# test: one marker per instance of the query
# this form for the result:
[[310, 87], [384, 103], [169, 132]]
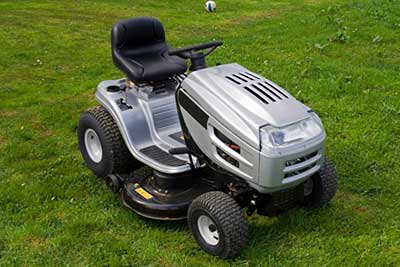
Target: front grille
[[301, 159], [290, 174], [301, 164], [262, 89], [227, 158], [229, 143]]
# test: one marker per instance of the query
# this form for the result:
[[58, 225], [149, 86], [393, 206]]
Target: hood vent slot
[[264, 90], [252, 75], [275, 88], [253, 92], [246, 76], [232, 80], [258, 88], [240, 78]]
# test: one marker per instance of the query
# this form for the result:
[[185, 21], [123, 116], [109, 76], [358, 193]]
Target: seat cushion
[[160, 67]]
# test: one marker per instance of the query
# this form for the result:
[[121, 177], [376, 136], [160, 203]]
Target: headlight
[[291, 134]]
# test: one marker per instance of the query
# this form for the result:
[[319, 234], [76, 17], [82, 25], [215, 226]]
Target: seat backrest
[[139, 50], [137, 33]]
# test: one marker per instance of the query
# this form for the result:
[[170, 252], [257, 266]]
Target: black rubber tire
[[116, 157], [229, 220], [324, 186]]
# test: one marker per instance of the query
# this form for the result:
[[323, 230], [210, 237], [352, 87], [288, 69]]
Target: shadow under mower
[[201, 144]]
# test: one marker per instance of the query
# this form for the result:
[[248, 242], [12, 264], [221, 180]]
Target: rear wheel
[[321, 187], [218, 224], [102, 145]]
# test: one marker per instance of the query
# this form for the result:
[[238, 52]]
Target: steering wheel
[[191, 52]]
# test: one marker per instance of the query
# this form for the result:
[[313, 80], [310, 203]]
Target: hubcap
[[308, 187], [208, 230], [93, 145]]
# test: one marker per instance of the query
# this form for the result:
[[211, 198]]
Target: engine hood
[[243, 101]]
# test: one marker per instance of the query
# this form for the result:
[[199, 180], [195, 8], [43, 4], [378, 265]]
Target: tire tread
[[120, 157], [329, 184]]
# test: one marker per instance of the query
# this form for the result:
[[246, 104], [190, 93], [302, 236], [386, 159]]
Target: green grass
[[342, 58]]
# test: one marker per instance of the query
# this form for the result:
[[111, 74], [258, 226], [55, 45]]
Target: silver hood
[[243, 101]]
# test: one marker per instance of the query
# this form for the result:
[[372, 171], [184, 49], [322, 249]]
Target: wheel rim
[[93, 145], [308, 187], [208, 230]]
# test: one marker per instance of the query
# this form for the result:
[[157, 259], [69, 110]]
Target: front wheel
[[321, 187], [218, 225]]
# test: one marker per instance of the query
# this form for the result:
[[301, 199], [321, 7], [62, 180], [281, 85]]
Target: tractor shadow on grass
[[296, 229], [175, 225], [302, 227]]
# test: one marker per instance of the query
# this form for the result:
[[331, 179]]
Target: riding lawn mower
[[209, 144]]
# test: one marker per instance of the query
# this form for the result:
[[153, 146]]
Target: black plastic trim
[[193, 109], [186, 135]]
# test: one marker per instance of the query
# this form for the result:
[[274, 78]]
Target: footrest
[[157, 154]]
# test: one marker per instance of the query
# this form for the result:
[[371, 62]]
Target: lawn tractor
[[202, 143]]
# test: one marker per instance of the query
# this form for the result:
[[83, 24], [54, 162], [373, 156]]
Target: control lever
[[180, 151]]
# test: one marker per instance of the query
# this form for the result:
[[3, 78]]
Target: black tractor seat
[[140, 51]]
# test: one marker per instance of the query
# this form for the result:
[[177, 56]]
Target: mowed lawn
[[342, 58]]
